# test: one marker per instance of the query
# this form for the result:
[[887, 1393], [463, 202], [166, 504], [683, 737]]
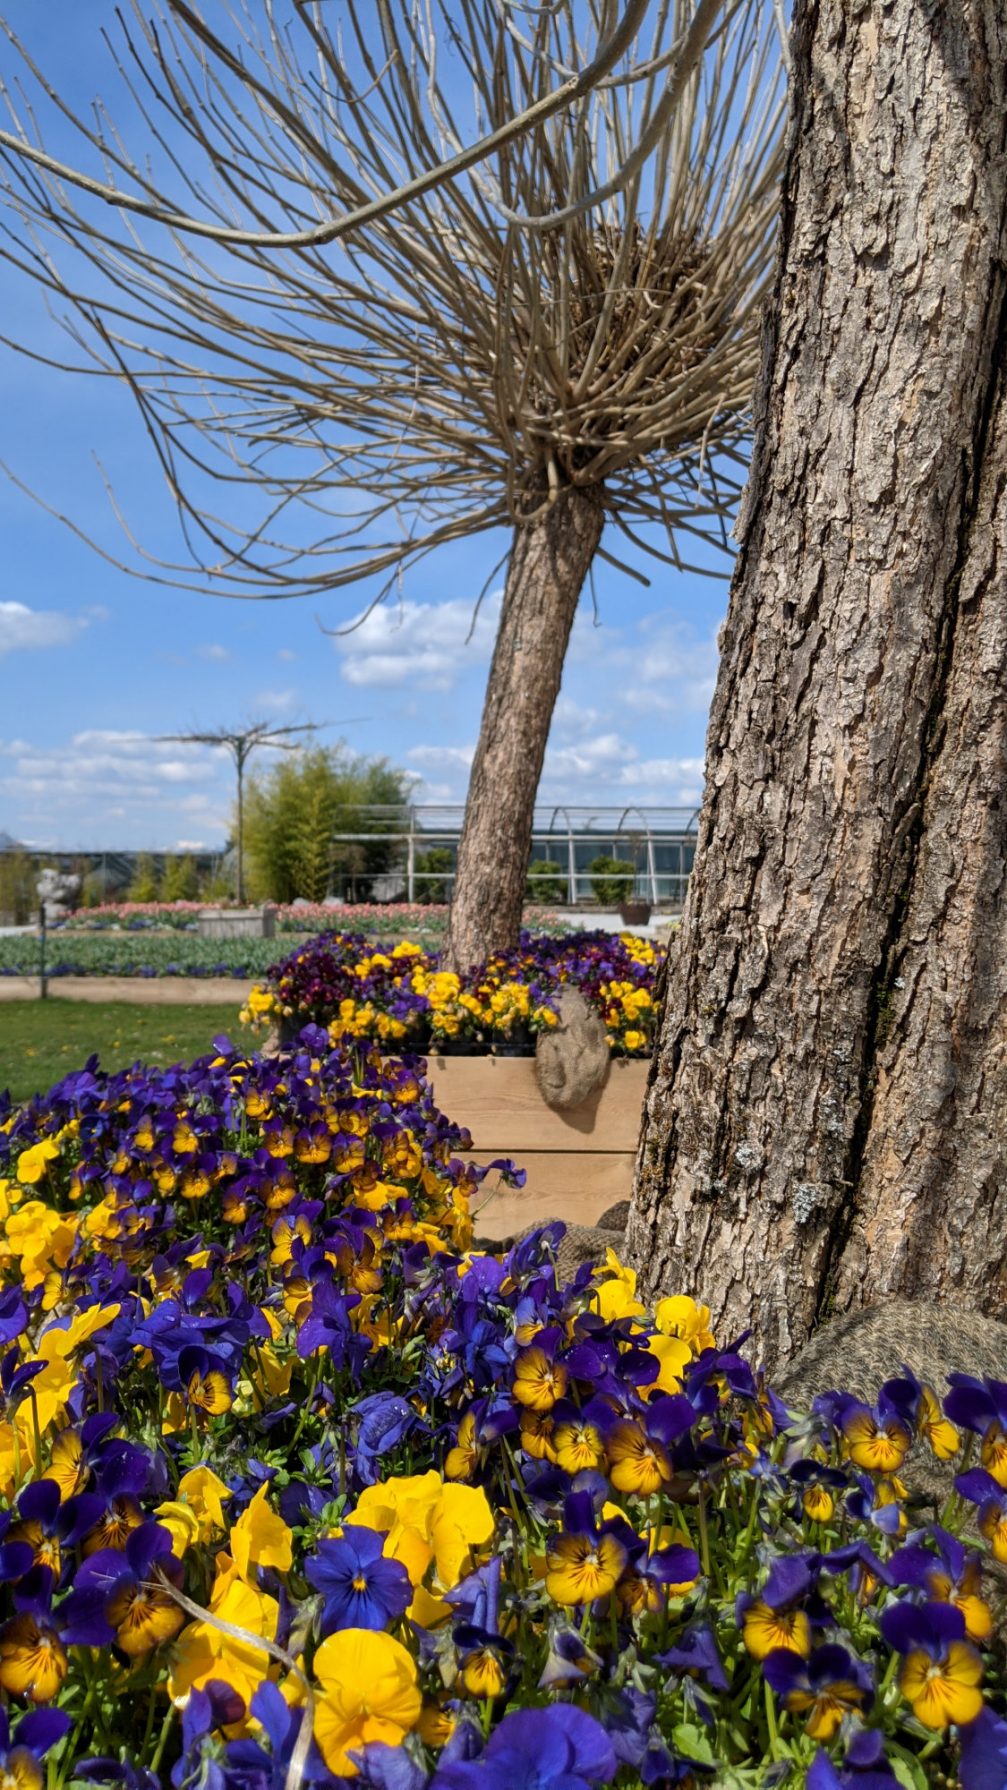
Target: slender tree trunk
[[549, 562], [824, 1116]]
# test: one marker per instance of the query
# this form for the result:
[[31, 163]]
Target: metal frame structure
[[569, 837]]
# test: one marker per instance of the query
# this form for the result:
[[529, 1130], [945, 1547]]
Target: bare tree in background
[[241, 742], [517, 283]]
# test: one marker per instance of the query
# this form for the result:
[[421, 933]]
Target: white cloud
[[598, 767], [286, 655], [280, 700], [189, 845], [100, 775], [572, 720], [22, 627], [442, 757], [592, 639], [600, 756], [427, 645], [217, 655], [672, 670], [667, 770], [616, 774]]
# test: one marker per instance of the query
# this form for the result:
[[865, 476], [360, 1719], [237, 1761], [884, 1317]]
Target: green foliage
[[292, 811], [142, 952], [145, 885], [18, 897], [433, 870], [180, 881], [611, 880], [217, 886], [310, 842], [546, 883]]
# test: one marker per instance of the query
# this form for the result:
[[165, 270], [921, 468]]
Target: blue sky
[[94, 662]]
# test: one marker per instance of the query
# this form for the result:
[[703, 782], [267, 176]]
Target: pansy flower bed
[[300, 916], [403, 997], [295, 1487]]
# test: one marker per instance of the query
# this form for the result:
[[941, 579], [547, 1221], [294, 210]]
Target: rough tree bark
[[826, 1118], [549, 562]]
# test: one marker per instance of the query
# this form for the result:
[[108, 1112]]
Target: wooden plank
[[498, 1099], [576, 1186]]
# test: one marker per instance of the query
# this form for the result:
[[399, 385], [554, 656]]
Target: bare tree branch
[[533, 116], [419, 368]]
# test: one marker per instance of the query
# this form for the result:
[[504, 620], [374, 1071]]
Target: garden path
[[168, 991]]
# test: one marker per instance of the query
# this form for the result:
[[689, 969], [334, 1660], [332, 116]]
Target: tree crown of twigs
[[580, 308]]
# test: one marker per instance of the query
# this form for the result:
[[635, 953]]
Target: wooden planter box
[[578, 1161], [236, 922]]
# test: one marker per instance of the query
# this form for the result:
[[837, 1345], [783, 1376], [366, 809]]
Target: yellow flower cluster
[[404, 996], [628, 1011], [366, 1682]]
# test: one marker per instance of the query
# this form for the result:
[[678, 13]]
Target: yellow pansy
[[181, 1522], [680, 1316], [367, 1692], [42, 1239], [581, 1568], [206, 1495], [203, 1651], [879, 1444], [33, 1162], [33, 1660], [615, 1295], [674, 1355], [460, 1520], [427, 1523], [945, 1690], [764, 1629], [260, 1538]]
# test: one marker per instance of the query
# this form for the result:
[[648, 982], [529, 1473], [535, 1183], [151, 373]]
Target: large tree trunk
[[827, 1112], [549, 562]]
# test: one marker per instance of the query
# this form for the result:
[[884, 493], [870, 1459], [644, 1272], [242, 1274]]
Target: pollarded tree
[[316, 288], [825, 1120]]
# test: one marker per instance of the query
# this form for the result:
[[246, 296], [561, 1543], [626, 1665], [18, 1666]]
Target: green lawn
[[41, 1041]]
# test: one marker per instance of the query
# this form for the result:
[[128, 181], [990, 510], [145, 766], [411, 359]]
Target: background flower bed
[[150, 944], [302, 917], [297, 1487], [425, 922], [402, 996], [147, 954]]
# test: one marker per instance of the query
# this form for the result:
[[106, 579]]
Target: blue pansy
[[361, 1588], [559, 1748]]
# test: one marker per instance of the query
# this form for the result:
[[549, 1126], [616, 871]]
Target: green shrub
[[180, 881], [292, 811], [18, 896], [546, 883], [611, 880], [433, 870], [145, 885]]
